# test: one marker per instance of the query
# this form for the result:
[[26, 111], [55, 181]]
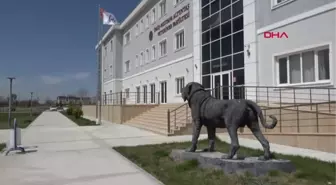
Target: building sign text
[[167, 24]]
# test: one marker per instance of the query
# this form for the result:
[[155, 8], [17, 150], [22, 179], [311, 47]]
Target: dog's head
[[189, 89]]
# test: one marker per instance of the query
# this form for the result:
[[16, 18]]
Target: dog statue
[[230, 114]]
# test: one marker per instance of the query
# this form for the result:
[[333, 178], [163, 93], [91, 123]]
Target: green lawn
[[2, 146], [80, 121], [22, 119], [155, 160]]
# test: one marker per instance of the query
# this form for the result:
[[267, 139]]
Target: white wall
[[250, 42], [306, 33], [177, 68]]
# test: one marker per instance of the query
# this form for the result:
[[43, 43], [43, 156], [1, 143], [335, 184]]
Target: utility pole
[[10, 99], [31, 104]]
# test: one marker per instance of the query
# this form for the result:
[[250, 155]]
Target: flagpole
[[98, 103]]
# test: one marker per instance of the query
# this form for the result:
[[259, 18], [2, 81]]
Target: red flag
[[101, 11]]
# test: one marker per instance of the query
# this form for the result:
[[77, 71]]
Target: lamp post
[[31, 103], [10, 99]]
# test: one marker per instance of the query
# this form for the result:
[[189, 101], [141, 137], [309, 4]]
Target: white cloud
[[81, 75], [52, 80]]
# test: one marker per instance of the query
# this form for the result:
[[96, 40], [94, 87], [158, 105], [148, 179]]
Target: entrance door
[[152, 86], [163, 92], [221, 86]]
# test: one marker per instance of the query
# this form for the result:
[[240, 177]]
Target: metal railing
[[131, 98], [284, 100]]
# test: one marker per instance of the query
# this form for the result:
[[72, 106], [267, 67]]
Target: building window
[[136, 29], [111, 70], [153, 52], [142, 59], [280, 2], [153, 15], [141, 26], [222, 39], [177, 2], [137, 61], [138, 94], [162, 6], [147, 21], [127, 66], [179, 85], [163, 48], [127, 38], [147, 56], [179, 40], [152, 93], [111, 45], [311, 66], [144, 93], [127, 92]]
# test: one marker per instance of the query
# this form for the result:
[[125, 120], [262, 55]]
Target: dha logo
[[271, 35]]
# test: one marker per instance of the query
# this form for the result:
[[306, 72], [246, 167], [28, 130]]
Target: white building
[[162, 45]]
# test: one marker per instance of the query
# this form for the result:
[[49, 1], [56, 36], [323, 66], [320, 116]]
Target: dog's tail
[[257, 110]]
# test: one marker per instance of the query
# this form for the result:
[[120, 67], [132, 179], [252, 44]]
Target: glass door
[[163, 92], [221, 86]]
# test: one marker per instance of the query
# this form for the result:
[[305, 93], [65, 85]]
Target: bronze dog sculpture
[[230, 114]]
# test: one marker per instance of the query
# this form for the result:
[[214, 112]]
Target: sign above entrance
[[177, 18]]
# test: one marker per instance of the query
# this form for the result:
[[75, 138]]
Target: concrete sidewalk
[[72, 155], [69, 155]]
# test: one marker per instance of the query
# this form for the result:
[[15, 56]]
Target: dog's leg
[[261, 138], [195, 135], [232, 130], [211, 137]]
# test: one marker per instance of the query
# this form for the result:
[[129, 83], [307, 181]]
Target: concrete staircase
[[155, 119]]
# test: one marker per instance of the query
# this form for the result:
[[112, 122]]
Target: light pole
[[31, 103], [10, 99]]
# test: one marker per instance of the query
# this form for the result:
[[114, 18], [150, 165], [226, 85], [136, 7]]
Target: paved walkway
[[72, 155]]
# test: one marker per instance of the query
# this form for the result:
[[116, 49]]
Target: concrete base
[[248, 164]]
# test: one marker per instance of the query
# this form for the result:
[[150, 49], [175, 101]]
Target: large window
[[222, 38], [153, 15], [127, 66], [141, 58], [162, 8], [179, 40], [127, 38], [163, 48], [137, 94], [311, 66], [276, 3], [179, 85], [137, 61], [153, 52]]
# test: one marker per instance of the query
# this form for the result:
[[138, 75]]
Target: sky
[[48, 45]]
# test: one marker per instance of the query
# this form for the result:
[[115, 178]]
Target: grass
[[22, 119], [2, 146], [80, 121], [155, 160]]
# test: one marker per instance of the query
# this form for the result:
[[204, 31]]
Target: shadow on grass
[[155, 160], [80, 121]]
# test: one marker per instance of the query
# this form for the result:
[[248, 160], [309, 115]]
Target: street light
[[10, 99]]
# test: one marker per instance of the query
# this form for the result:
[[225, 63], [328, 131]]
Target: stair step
[[157, 121], [144, 127], [150, 125]]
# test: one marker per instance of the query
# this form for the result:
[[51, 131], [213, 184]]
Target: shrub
[[77, 113], [70, 110]]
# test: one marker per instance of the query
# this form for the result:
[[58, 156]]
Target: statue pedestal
[[238, 166]]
